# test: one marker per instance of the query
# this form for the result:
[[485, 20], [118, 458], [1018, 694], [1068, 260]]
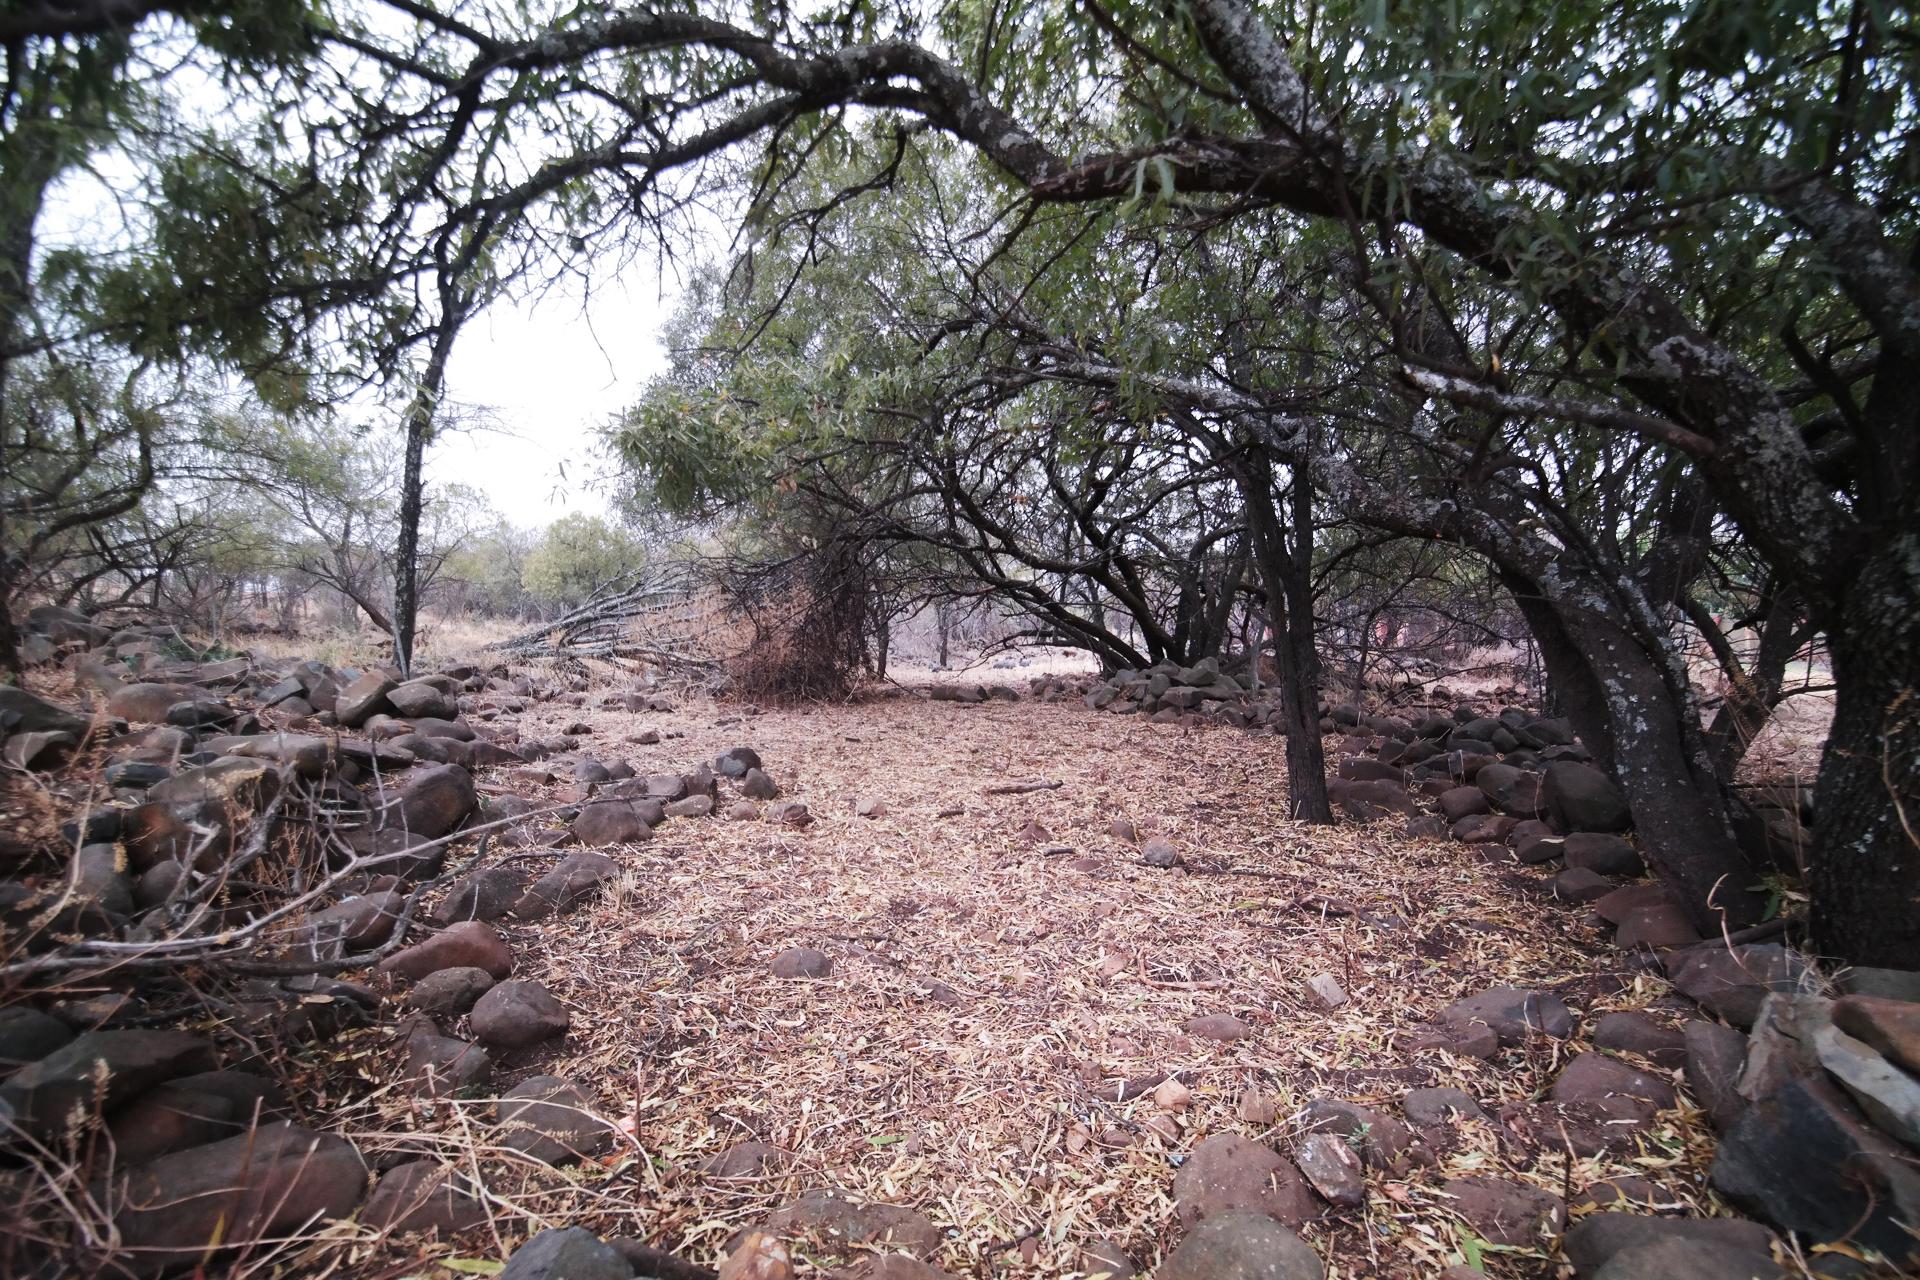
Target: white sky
[[549, 372]]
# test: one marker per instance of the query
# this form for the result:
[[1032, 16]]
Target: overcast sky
[[551, 372]]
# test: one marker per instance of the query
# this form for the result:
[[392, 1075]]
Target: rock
[[1579, 885], [449, 991], [1623, 902], [46, 749], [1659, 926], [1801, 1158], [736, 762], [1609, 1089], [790, 813], [1667, 1259], [436, 800], [1637, 1033], [470, 944], [1889, 1096], [802, 962], [871, 807], [1513, 1014], [1731, 983], [27, 1035], [1227, 1172], [1217, 1026], [1425, 1107], [1714, 1056], [691, 807], [1891, 1027], [1372, 801], [1600, 1237], [1510, 1213], [487, 894], [552, 1121], [1327, 990], [742, 1160], [265, 1184], [417, 698], [1102, 1259], [43, 1094], [363, 699], [1238, 1245], [1512, 791], [1887, 984], [136, 775], [438, 1064], [1581, 798], [610, 822], [170, 1118], [1606, 854], [577, 876], [1332, 1168], [845, 1227], [567, 1253], [758, 1256], [1463, 802], [756, 785], [422, 1195], [145, 703], [513, 1015], [1159, 852], [743, 811]]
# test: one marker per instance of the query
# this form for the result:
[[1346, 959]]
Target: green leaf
[[473, 1266], [885, 1139]]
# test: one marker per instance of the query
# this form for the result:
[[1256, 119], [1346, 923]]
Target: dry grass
[[996, 1115]]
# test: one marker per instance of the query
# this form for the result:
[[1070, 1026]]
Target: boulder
[[566, 1253], [1636, 1033], [438, 1064], [356, 924], [145, 703], [487, 894], [449, 992], [756, 785], [1513, 1014], [1463, 802], [1579, 885], [1731, 983], [1240, 1245], [513, 1015], [1714, 1057], [576, 877], [1600, 1237], [417, 698], [1512, 791], [551, 1120], [1608, 855], [1666, 1259], [1444, 1106], [363, 699], [1504, 1212], [1581, 798], [802, 962], [1227, 1172], [436, 800], [1608, 1089], [111, 1065], [1892, 1027], [736, 761], [1657, 926], [470, 944], [422, 1195], [610, 822], [1384, 1142], [171, 1118], [266, 1184]]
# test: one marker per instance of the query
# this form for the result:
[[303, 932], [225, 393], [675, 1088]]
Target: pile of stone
[[1166, 691]]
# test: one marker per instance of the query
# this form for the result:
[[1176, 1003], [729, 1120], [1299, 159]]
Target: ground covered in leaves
[[1009, 984]]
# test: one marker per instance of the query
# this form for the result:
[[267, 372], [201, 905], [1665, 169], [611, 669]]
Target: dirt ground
[[1001, 964]]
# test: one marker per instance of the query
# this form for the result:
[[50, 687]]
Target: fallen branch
[[1022, 788]]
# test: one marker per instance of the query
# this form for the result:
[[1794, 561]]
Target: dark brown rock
[[513, 1015], [570, 1253], [1612, 1091], [422, 1195], [802, 962], [1714, 1056], [449, 992], [1513, 1014], [611, 822], [1217, 1026], [438, 1064], [1241, 1245], [1599, 1237], [44, 1093], [1731, 983], [470, 944], [1227, 1172], [1609, 855], [265, 1184], [1581, 798], [1636, 1033], [552, 1121], [572, 881], [1892, 1027], [1508, 1213], [845, 1227]]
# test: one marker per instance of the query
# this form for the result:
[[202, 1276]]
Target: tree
[[576, 556]]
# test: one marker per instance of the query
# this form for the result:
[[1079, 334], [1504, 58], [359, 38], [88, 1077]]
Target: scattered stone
[[1102, 1259], [1172, 1094], [1504, 1212], [1666, 1259], [449, 991], [470, 944], [1578, 884], [436, 800], [743, 811], [438, 1064], [691, 807], [265, 1184], [1513, 1014], [423, 698], [551, 1120], [513, 1015], [790, 813], [363, 699], [1581, 798], [1609, 1089], [1227, 1172], [1636, 1033], [422, 1195], [1332, 1168], [1658, 926], [1256, 1107], [567, 1253], [1731, 983], [742, 1160], [607, 822], [1714, 1056], [111, 1066], [756, 785], [802, 962], [1427, 1107], [871, 807], [487, 894], [736, 763], [1241, 1245], [1608, 855], [1327, 990], [1600, 1237], [1159, 852], [576, 877], [845, 1227], [1217, 1026]]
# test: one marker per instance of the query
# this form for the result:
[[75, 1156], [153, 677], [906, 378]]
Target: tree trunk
[[421, 411], [1865, 865]]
